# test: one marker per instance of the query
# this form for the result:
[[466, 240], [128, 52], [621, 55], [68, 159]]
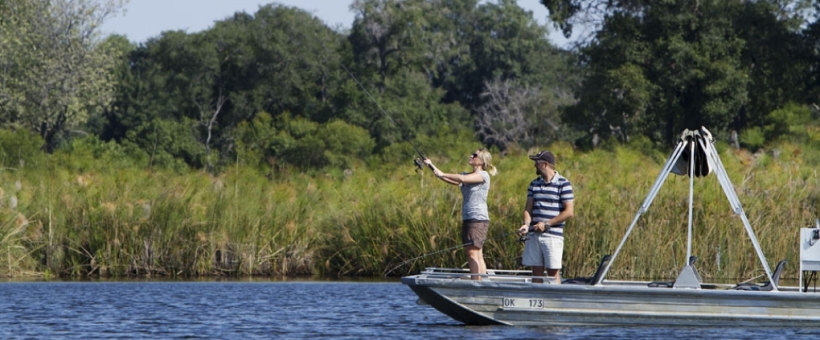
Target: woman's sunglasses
[[474, 155]]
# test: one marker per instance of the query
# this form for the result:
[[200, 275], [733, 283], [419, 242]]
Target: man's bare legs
[[555, 273], [539, 272]]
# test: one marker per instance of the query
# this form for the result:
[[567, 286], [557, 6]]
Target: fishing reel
[[419, 164], [523, 238]]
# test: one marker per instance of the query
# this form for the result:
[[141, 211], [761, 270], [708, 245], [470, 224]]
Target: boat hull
[[490, 302]]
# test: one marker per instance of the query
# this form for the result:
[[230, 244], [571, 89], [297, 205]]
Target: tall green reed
[[136, 222], [76, 215]]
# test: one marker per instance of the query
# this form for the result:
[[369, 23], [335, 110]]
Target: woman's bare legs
[[475, 260]]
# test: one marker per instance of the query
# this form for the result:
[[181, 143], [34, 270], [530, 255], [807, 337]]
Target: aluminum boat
[[510, 297]]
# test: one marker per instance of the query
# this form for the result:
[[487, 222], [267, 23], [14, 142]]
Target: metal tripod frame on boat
[[701, 148]]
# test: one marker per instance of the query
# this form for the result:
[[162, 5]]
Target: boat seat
[[590, 280], [666, 284], [766, 286]]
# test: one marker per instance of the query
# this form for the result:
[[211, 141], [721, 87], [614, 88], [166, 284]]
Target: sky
[[144, 19]]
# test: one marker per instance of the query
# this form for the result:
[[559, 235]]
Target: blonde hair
[[487, 159]]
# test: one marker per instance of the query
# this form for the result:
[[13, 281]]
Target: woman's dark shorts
[[474, 231]]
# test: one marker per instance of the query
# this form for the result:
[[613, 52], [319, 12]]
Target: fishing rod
[[417, 161], [520, 239]]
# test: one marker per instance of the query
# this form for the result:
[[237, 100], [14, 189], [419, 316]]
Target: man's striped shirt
[[548, 200]]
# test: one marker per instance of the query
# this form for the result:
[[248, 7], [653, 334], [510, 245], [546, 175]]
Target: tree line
[[279, 88]]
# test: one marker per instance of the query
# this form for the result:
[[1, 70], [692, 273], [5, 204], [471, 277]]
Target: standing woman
[[474, 186]]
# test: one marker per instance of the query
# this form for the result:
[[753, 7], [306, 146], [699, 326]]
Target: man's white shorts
[[543, 250]]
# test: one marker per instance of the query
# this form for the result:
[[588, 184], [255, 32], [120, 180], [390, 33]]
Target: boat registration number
[[512, 303]]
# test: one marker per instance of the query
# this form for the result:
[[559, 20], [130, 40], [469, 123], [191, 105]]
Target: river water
[[277, 310]]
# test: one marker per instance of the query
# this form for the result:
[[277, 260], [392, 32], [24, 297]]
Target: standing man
[[550, 202]]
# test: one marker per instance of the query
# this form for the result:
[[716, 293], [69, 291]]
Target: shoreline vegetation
[[271, 144], [89, 213]]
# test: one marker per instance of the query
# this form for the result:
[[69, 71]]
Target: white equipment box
[[809, 250]]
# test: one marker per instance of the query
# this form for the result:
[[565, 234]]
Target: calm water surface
[[277, 310]]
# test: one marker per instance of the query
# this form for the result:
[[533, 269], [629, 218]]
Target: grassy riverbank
[[84, 213]]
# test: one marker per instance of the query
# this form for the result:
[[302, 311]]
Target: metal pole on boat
[[734, 201], [645, 205], [692, 146]]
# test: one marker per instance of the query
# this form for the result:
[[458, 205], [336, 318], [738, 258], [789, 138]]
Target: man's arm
[[567, 213], [527, 217]]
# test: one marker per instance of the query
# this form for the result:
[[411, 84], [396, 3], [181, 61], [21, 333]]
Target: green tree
[[54, 67], [281, 59], [458, 47], [397, 47], [265, 142], [504, 42], [811, 55], [515, 80], [390, 34], [122, 114], [656, 68], [775, 56], [289, 62], [168, 143]]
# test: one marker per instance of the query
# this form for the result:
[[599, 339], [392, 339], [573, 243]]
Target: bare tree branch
[[212, 110], [513, 113]]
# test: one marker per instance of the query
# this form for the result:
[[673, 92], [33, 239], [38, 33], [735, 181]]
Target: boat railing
[[507, 275]]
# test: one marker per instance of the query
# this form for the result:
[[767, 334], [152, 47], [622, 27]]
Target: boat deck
[[525, 276]]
